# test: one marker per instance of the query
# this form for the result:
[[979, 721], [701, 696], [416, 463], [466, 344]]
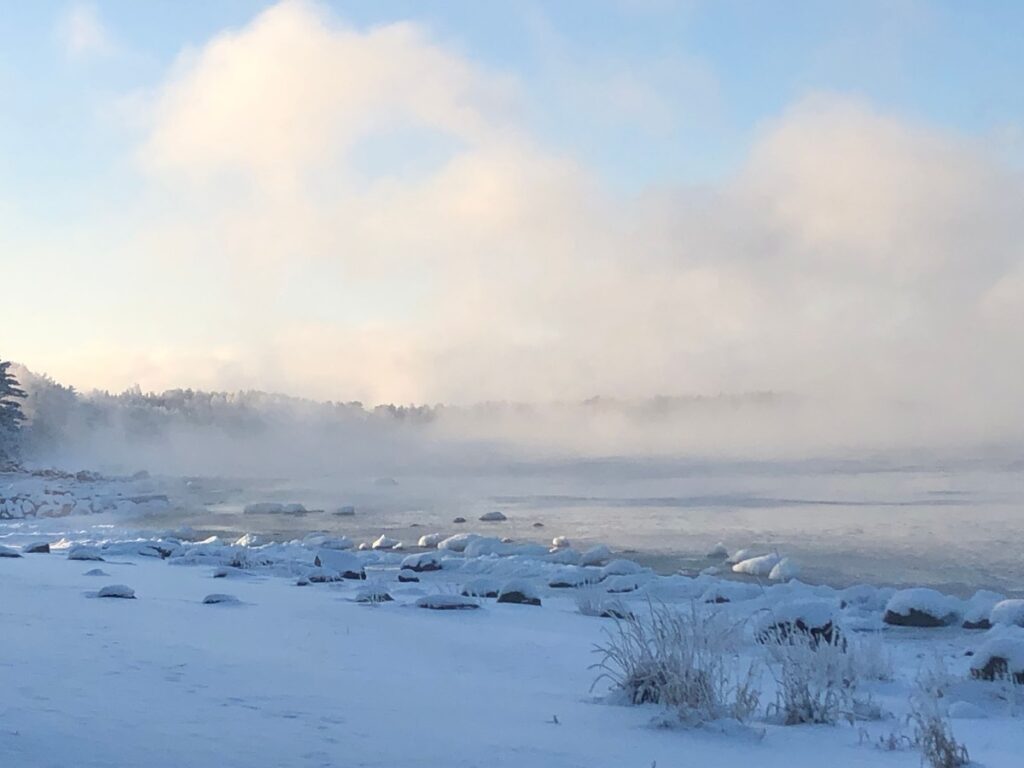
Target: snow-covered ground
[[307, 675]]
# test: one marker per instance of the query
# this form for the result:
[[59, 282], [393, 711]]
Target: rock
[[405, 577], [96, 572], [294, 509], [519, 593], [492, 517], [218, 598], [447, 603], [538, 525], [560, 542], [459, 520], [83, 552], [385, 542], [572, 577], [346, 511], [922, 608], [117, 590], [9, 552]]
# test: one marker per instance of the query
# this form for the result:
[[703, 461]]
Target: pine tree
[[11, 415]]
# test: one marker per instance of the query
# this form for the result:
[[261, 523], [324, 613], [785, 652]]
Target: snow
[[307, 677], [560, 542], [1008, 612], [1004, 644], [385, 542]]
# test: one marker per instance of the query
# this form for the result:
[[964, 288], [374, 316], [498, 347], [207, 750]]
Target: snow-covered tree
[[11, 415]]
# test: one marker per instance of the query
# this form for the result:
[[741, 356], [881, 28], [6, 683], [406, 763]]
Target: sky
[[461, 202]]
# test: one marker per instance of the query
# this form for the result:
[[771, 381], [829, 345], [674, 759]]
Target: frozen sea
[[955, 525]]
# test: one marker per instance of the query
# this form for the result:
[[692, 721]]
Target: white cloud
[[82, 32], [854, 254]]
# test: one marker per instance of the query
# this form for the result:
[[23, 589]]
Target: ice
[[757, 566], [1008, 613]]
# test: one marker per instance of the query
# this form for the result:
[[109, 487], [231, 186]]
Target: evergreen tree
[[11, 415]]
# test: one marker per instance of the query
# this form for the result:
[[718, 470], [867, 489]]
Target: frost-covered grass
[[685, 660]]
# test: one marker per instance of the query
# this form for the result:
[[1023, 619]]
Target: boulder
[[346, 511], [263, 508], [757, 566], [422, 563], [386, 542], [459, 520], [492, 517], [430, 540], [406, 577], [9, 552], [1008, 613]]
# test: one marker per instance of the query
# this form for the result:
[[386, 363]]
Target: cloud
[[393, 231], [83, 33]]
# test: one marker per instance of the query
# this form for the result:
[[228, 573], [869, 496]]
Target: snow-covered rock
[[458, 542], [599, 555], [374, 593], [1002, 656], [921, 607], [567, 556], [739, 556], [492, 517], [560, 542], [630, 582], [621, 568], [757, 566], [117, 590], [730, 592], [1008, 613], [784, 570], [447, 603], [345, 511], [345, 564], [9, 552], [718, 552], [814, 619], [482, 587], [84, 552], [385, 542], [424, 561], [520, 592], [95, 572], [978, 609], [337, 542], [430, 540], [219, 598]]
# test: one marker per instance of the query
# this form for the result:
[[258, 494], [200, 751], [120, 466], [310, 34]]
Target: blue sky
[[616, 110]]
